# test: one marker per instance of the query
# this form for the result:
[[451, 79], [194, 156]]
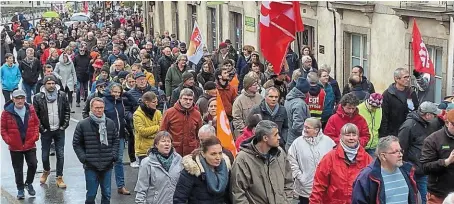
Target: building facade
[[376, 35]]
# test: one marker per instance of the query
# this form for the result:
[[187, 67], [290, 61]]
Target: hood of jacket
[[415, 116], [340, 111], [295, 93], [60, 59], [9, 107], [191, 163], [249, 95], [42, 89]]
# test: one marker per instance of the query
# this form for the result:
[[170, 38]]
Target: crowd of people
[[297, 135]]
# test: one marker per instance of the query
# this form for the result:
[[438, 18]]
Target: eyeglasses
[[396, 152]]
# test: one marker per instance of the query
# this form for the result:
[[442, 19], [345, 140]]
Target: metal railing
[[446, 5]]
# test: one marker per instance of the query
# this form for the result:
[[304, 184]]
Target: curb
[[10, 198]]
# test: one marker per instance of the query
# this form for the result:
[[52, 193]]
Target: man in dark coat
[[398, 100], [53, 111], [30, 69], [81, 65], [164, 64], [96, 144]]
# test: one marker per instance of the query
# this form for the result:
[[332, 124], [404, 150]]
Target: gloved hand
[[416, 74]]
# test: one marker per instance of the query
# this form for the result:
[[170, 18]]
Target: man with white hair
[[207, 131], [387, 180], [91, 41], [306, 62]]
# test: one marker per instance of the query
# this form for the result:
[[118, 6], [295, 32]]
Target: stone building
[[373, 34]]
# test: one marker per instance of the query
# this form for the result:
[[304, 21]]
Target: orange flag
[[224, 132]]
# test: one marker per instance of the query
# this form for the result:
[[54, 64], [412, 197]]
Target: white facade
[[376, 35]]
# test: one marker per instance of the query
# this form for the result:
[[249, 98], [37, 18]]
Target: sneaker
[[20, 195], [77, 104], [29, 188], [135, 164], [43, 178]]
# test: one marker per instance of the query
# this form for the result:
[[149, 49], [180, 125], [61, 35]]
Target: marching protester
[[210, 115], [339, 168], [98, 160], [304, 155], [387, 180], [188, 82], [261, 172], [371, 111], [209, 91], [364, 83], [297, 110], [10, 76], [175, 73], [52, 107], [248, 131], [19, 128], [65, 71], [159, 172], [31, 69], [225, 90], [330, 95]]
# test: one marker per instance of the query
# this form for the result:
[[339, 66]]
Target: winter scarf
[[149, 112], [218, 179], [51, 96], [313, 140], [166, 161], [351, 152], [102, 127], [272, 112]]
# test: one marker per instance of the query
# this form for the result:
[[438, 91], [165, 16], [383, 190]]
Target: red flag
[[86, 7], [421, 58], [279, 22]]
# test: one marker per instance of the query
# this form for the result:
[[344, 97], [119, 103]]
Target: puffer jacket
[[280, 118], [40, 104], [89, 150], [241, 108], [228, 95], [173, 79], [30, 71], [297, 113], [411, 139], [373, 120], [395, 110], [145, 130], [259, 179], [10, 77], [183, 124], [17, 135], [192, 186], [334, 177], [304, 158], [338, 120], [369, 187], [66, 73], [154, 183]]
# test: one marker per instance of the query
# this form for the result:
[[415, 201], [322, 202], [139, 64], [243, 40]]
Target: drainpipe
[[334, 37], [449, 78]]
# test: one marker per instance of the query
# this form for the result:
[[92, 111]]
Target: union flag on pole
[[279, 22], [195, 50], [421, 58], [224, 132]]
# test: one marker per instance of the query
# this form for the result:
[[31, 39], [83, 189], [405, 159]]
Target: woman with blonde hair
[[53, 57]]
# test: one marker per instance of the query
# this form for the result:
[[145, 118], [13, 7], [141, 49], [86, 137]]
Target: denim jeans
[[93, 179], [17, 159], [28, 88], [118, 167], [421, 183], [81, 89], [58, 136]]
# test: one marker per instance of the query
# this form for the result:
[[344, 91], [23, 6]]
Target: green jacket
[[173, 78], [373, 123]]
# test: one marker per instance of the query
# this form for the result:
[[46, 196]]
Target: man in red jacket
[[20, 131], [347, 112]]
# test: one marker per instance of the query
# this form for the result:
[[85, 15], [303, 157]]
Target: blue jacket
[[368, 187], [10, 77], [330, 98], [114, 109], [111, 59]]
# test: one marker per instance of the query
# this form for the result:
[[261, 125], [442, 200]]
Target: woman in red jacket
[[336, 172]]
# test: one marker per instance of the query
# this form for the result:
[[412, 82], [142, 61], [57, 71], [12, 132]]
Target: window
[[436, 55], [306, 38], [212, 29], [359, 51], [175, 23], [236, 33]]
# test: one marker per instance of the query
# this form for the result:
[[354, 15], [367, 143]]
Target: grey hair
[[181, 57], [95, 99], [186, 92], [315, 122], [312, 77], [449, 199], [398, 72], [326, 67], [305, 58], [349, 98], [264, 128], [208, 129], [267, 91], [349, 128], [296, 74], [384, 143]]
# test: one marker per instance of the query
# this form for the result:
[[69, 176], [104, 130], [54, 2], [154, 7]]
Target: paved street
[[73, 175]]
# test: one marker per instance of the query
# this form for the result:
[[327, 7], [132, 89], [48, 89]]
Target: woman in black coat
[[198, 183], [206, 74]]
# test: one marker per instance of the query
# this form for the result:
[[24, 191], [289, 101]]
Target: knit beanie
[[375, 100], [248, 81], [49, 78], [303, 85], [187, 75]]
